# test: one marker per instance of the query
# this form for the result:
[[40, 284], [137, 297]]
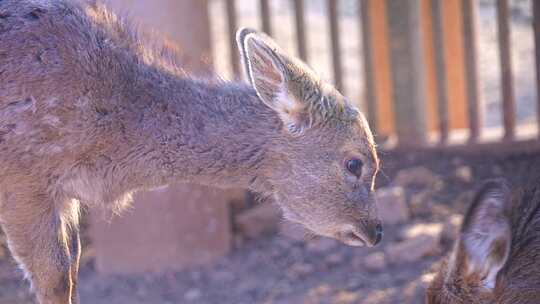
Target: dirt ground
[[279, 269]]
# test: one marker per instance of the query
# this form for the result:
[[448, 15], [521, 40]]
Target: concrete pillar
[[184, 22], [167, 229], [181, 225]]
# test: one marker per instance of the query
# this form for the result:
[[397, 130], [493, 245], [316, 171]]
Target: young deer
[[497, 256], [88, 115]]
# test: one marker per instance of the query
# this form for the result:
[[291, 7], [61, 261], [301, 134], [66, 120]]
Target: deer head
[[325, 161]]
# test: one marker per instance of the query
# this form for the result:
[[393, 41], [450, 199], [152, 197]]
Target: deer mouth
[[358, 237], [352, 238]]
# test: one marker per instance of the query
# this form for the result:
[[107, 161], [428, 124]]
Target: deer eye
[[354, 166]]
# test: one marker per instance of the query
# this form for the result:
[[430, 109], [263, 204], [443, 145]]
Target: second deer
[[496, 259]]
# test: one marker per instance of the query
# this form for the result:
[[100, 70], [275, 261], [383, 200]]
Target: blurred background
[[450, 89]]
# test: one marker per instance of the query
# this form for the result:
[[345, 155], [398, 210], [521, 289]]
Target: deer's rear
[[497, 256]]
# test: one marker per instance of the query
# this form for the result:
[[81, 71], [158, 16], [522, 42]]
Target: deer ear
[[486, 233], [268, 71], [241, 35]]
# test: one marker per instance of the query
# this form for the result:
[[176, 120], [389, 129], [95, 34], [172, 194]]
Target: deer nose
[[374, 233]]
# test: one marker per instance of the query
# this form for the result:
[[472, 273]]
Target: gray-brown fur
[[88, 115], [500, 237]]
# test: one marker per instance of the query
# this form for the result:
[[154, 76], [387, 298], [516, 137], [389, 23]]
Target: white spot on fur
[[51, 102], [52, 120], [49, 149]]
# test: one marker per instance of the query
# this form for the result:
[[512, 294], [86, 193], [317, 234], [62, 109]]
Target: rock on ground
[[421, 203], [321, 244], [258, 220], [415, 230], [375, 261], [451, 226], [464, 174], [392, 205], [418, 177], [292, 231]]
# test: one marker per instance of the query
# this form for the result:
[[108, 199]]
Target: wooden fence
[[410, 50]]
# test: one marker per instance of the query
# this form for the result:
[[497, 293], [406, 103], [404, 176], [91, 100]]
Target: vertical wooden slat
[[231, 24], [265, 17], [382, 74], [300, 29], [506, 69], [334, 38], [440, 68], [370, 97], [426, 24], [408, 71], [455, 64], [471, 68], [536, 25]]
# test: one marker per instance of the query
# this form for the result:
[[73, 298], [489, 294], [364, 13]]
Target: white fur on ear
[[486, 238], [241, 35], [288, 86], [268, 76], [289, 111], [487, 253]]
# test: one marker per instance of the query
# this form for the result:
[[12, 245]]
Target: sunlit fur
[[89, 114]]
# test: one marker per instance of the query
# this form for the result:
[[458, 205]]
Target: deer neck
[[216, 133]]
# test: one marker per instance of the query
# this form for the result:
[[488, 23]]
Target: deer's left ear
[[269, 71], [486, 233]]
